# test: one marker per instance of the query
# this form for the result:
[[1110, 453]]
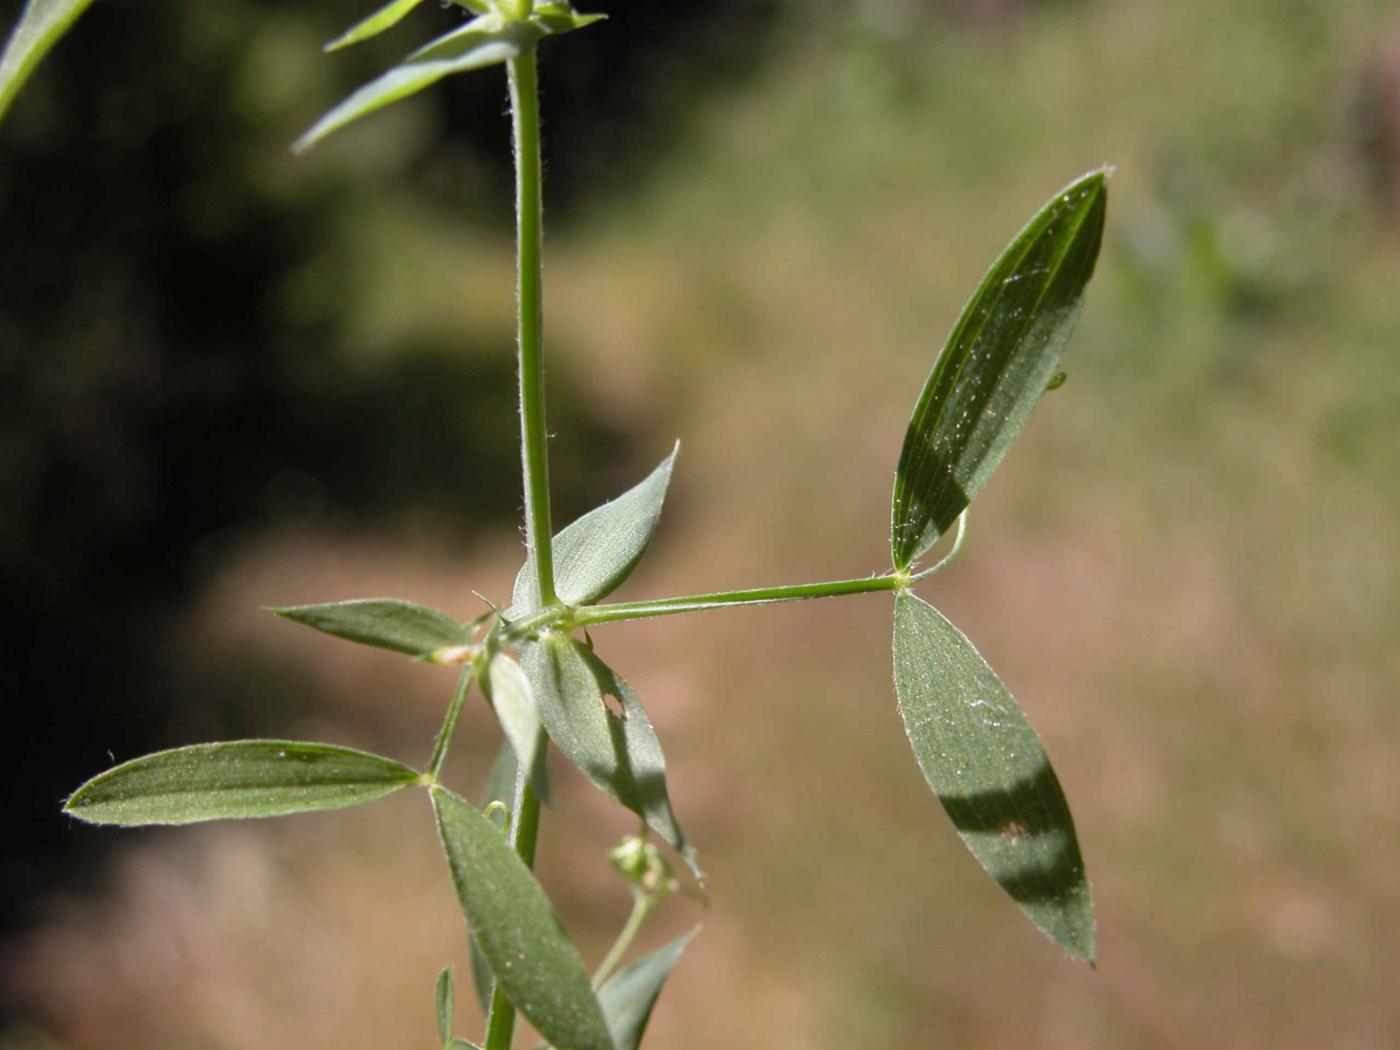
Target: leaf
[[459, 1043], [500, 787], [594, 555], [41, 25], [508, 691], [239, 779], [561, 18], [484, 41], [986, 765], [386, 623], [1002, 354], [516, 927], [388, 16], [444, 993], [629, 995], [620, 755]]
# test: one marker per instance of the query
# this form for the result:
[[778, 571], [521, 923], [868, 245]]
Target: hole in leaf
[[1014, 831], [614, 706]]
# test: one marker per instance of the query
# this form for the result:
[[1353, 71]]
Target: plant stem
[[449, 723], [587, 615], [534, 439], [642, 905]]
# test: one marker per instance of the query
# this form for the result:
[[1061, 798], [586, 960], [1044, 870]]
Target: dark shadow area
[[1033, 822]]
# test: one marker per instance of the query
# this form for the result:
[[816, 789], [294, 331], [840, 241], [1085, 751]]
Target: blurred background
[[232, 378]]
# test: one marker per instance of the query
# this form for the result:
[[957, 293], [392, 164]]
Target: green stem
[[534, 440], [449, 723], [587, 615], [642, 905]]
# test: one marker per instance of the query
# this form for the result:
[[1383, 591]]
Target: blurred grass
[[1186, 573]]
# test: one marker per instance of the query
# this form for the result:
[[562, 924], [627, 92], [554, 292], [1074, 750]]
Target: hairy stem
[[587, 615], [534, 440]]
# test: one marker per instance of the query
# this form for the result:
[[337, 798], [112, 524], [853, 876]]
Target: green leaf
[[444, 994], [594, 555], [484, 41], [621, 755], [1002, 354], [41, 25], [985, 763], [500, 787], [388, 16], [629, 995], [508, 691], [561, 18], [515, 925], [459, 1043], [239, 779], [387, 623]]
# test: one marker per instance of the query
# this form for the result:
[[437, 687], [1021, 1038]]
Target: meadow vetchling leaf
[[988, 769], [388, 16], [596, 553], [630, 994], [41, 24], [1001, 355], [484, 41], [386, 623], [620, 754], [235, 780], [508, 691], [518, 932]]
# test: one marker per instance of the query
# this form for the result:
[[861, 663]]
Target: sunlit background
[[232, 379]]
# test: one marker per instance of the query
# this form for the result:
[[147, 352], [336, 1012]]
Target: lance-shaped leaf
[[388, 16], [1002, 353], [595, 554], [987, 767], [561, 18], [500, 787], [619, 753], [484, 41], [630, 994], [40, 26], [443, 1002], [509, 693], [238, 779], [517, 930], [386, 623]]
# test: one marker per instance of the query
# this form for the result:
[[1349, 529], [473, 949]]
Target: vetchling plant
[[536, 666]]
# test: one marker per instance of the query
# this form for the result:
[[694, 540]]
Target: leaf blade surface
[[991, 774], [517, 930], [994, 368], [384, 623], [594, 555], [241, 779], [629, 995]]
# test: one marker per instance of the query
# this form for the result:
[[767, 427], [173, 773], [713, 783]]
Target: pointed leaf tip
[[517, 930], [236, 780], [385, 623], [629, 996], [1002, 353], [988, 768], [41, 25], [595, 555]]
